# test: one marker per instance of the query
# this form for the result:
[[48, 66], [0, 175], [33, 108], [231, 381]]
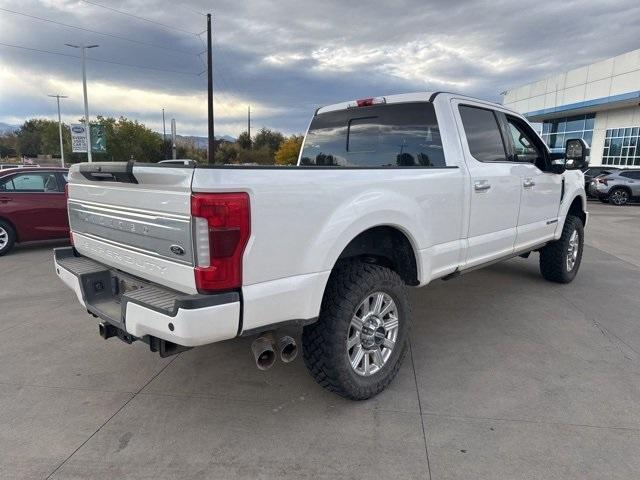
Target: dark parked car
[[33, 205], [593, 172]]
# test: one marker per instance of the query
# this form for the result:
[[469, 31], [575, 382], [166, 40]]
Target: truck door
[[541, 190], [495, 184]]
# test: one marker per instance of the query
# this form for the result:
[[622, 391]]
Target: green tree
[[35, 137], [289, 150], [8, 145], [129, 139], [269, 139], [227, 153], [244, 140]]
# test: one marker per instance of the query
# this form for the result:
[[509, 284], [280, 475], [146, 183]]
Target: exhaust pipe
[[288, 349], [264, 351]]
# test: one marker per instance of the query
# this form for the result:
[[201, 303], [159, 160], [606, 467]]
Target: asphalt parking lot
[[509, 377]]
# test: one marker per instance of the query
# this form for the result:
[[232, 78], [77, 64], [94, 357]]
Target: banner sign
[[98, 139], [78, 138]]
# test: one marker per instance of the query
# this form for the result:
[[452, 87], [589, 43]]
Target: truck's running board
[[520, 253]]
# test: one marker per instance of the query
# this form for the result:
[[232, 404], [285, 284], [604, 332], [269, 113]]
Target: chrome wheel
[[4, 238], [572, 250], [619, 197], [372, 334]]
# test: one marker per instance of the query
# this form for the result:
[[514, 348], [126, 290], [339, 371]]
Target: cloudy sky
[[286, 57]]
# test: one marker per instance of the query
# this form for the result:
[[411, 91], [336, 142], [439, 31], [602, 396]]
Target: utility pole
[[249, 124], [211, 150], [58, 97], [173, 138], [87, 127], [164, 136]]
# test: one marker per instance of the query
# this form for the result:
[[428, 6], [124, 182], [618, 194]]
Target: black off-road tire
[[10, 237], [324, 342], [553, 257]]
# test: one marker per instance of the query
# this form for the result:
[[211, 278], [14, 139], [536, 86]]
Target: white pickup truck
[[388, 192]]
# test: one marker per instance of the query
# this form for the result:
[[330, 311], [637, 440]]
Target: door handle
[[5, 199], [481, 186], [528, 183]]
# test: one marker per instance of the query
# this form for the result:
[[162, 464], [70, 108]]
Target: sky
[[285, 58]]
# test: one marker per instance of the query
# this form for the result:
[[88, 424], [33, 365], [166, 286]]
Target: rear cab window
[[387, 135]]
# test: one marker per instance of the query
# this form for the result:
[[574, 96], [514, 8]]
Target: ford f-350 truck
[[389, 193]]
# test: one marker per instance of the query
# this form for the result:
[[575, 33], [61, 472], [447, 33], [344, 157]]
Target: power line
[[121, 12], [42, 19], [99, 60]]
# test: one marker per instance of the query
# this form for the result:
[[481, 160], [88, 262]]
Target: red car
[[33, 205]]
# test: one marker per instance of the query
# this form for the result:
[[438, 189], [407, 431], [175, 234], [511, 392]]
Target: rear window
[[395, 135]]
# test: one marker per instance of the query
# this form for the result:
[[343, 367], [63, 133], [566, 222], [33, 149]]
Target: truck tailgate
[[135, 218]]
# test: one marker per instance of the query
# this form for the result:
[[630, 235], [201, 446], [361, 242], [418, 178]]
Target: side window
[[483, 134], [524, 145], [31, 182], [633, 175]]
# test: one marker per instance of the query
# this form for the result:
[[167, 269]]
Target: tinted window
[[483, 134], [635, 175], [376, 136], [31, 182]]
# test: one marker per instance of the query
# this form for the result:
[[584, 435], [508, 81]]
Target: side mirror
[[576, 153]]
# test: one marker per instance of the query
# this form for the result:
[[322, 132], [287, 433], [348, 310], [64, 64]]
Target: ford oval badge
[[177, 249]]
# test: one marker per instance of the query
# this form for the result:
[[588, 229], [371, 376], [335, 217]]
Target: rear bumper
[[145, 310]]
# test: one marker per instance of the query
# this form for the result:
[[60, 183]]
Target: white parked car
[[389, 193]]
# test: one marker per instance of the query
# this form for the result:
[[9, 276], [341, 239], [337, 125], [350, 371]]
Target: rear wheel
[[619, 196], [360, 339], [560, 260], [7, 237]]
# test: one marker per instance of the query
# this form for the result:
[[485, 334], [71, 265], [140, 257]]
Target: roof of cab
[[409, 97], [6, 171]]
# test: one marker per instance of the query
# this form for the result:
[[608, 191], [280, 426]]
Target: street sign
[[98, 139], [78, 138]]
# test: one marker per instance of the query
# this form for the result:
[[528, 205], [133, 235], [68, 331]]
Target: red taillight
[[367, 102], [222, 229], [66, 197]]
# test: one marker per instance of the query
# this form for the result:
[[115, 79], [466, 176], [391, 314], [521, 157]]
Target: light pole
[[58, 97], [87, 127], [164, 136]]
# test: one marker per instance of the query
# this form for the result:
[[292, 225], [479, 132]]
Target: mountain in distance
[[8, 128]]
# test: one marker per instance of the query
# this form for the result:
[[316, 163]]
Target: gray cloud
[[288, 57]]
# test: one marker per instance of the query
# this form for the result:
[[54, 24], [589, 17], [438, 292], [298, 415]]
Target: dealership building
[[598, 102]]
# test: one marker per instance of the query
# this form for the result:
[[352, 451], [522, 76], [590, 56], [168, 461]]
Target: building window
[[622, 147], [556, 132]]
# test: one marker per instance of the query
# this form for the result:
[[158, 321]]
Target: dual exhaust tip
[[265, 350]]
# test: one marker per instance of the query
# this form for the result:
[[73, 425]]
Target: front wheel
[[560, 260], [360, 339]]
